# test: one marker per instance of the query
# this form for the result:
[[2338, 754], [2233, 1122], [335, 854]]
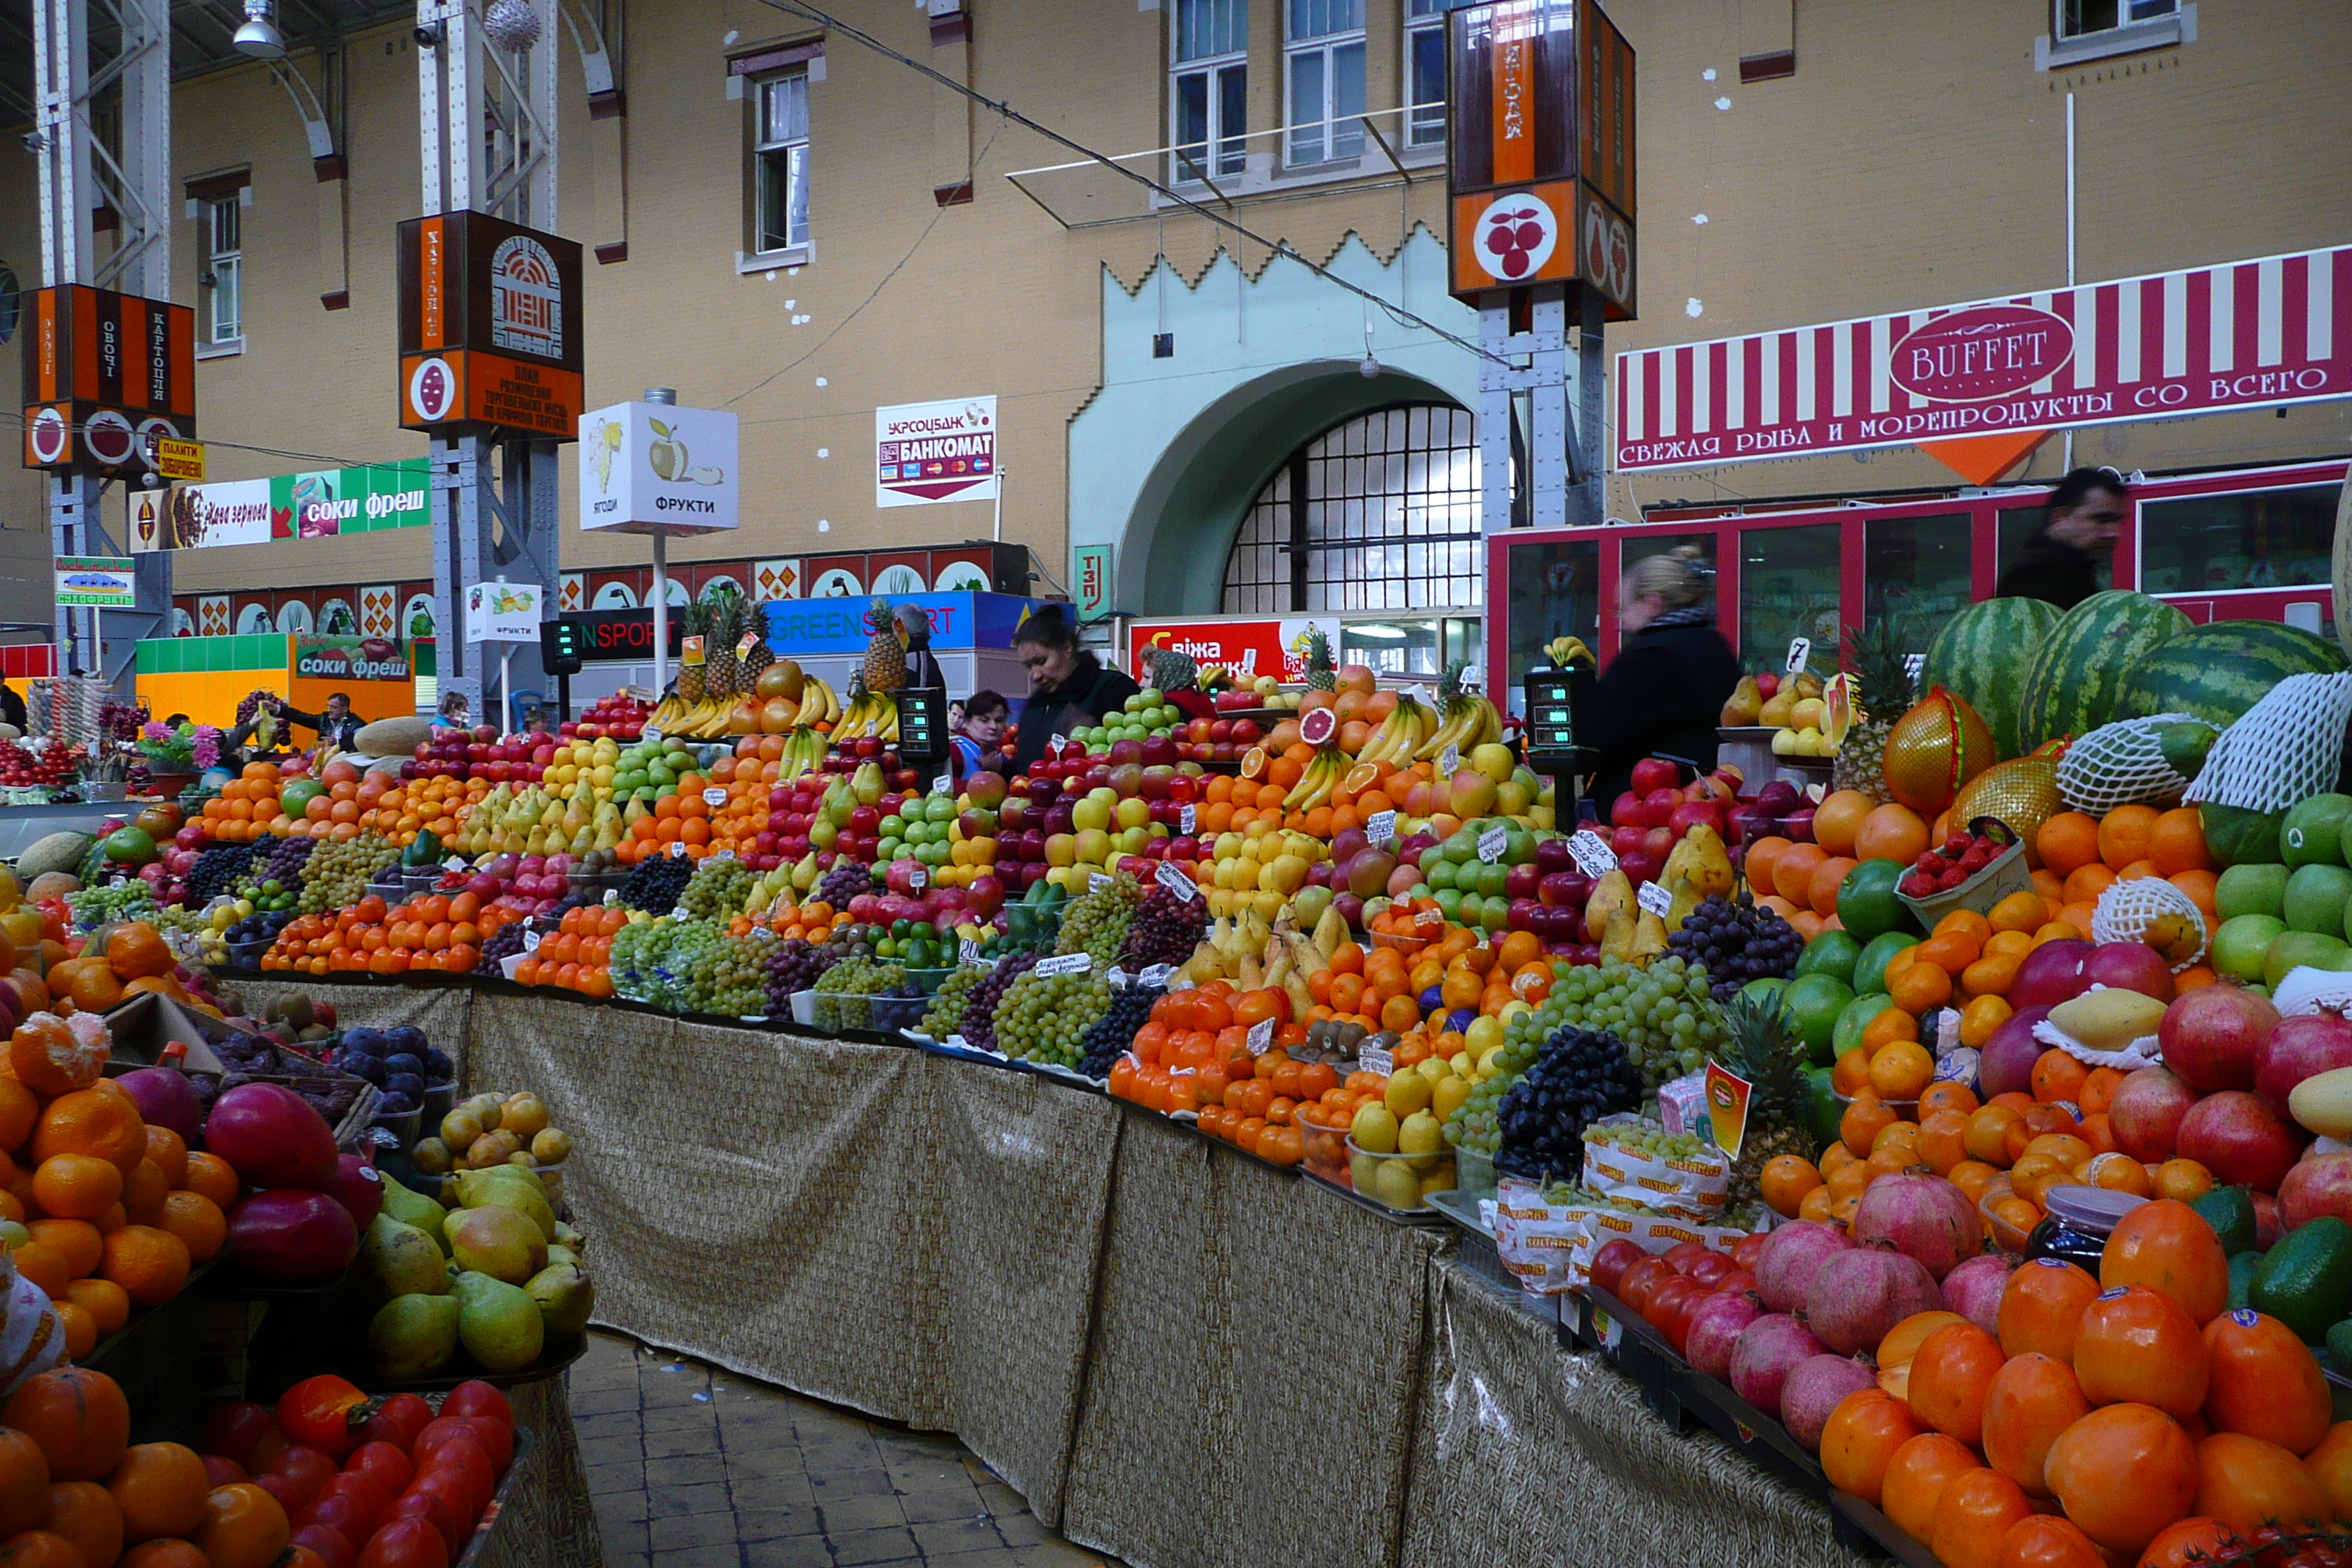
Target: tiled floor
[[692, 1468]]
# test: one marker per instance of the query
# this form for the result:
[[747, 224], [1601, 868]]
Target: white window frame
[[1222, 149], [1326, 130], [2129, 13], [785, 154], [2060, 50], [1424, 120], [224, 269]]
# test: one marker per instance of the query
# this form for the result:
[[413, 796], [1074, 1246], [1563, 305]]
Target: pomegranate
[[1785, 1264], [2296, 1050], [2147, 1110], [2210, 1035], [1813, 1391], [2268, 1222], [2129, 966], [1973, 1290], [1716, 1327], [2319, 1185], [1766, 1352], [291, 1236], [272, 1137], [165, 1098], [2239, 1137], [2007, 1065], [2051, 973], [1924, 1217], [1859, 1294]]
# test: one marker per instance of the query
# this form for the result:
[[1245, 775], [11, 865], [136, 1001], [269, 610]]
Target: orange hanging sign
[[1515, 93]]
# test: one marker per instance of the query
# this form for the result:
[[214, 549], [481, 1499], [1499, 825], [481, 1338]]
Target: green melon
[[2241, 837], [57, 852], [2076, 681], [1982, 656], [2218, 671]]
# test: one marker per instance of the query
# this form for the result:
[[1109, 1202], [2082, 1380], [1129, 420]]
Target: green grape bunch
[[1646, 1138], [717, 889], [1096, 923], [845, 992], [1044, 1017], [945, 1011], [338, 873]]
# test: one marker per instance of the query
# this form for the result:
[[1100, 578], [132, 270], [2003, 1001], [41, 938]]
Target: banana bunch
[[1316, 785], [1470, 720], [804, 753], [819, 703], [677, 716], [1567, 653], [871, 713], [1399, 736]]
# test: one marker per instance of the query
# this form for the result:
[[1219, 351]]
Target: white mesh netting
[[2305, 991], [2284, 749], [2142, 1052], [2127, 912], [2121, 764]]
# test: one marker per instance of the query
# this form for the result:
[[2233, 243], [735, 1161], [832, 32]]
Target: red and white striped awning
[[2244, 334]]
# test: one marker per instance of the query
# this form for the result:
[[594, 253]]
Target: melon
[[2076, 681], [1982, 656], [395, 737], [2216, 672], [56, 852]]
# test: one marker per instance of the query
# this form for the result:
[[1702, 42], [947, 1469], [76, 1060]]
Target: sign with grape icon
[[1516, 236]]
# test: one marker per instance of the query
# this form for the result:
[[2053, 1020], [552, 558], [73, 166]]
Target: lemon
[[1436, 1070], [1408, 1092], [1441, 1180], [1463, 1064], [1421, 1133], [1450, 1097], [1397, 1185], [1483, 1036], [1374, 1129]]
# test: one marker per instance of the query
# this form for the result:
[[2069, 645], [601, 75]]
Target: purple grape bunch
[[844, 882], [1165, 930], [979, 1025], [796, 966], [505, 942]]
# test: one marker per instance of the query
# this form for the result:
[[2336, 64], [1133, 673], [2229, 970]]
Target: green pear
[[559, 1253], [568, 1235], [501, 1325], [507, 1186], [401, 1260], [415, 1209], [565, 1298], [500, 1242], [414, 1335]]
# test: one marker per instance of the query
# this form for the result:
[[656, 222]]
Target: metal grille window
[[1324, 63], [224, 275], [2079, 18], [1380, 513], [1424, 73], [781, 220], [1209, 96]]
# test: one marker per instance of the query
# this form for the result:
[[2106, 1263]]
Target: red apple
[[1659, 805], [1691, 813], [1626, 812], [2297, 1048], [1654, 774], [2238, 1137], [2147, 1112]]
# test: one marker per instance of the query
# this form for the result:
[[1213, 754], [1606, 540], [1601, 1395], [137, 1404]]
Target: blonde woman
[[1663, 693]]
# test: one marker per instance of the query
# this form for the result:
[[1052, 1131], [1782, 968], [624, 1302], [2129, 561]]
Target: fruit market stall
[[200, 676]]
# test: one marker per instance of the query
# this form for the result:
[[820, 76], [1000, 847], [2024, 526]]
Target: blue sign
[[800, 627]]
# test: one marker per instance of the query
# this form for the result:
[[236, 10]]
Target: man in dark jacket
[[1663, 694], [2060, 561]]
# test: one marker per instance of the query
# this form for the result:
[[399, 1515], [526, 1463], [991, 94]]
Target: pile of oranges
[[1230, 804], [401, 810], [2157, 1424], [578, 955], [114, 1212], [256, 802], [812, 921], [432, 931], [1383, 986]]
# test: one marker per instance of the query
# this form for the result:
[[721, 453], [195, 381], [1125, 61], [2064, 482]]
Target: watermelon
[[2241, 837], [1980, 656], [2076, 681], [2218, 671]]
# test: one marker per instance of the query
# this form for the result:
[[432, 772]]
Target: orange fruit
[[1865, 1432], [1785, 1181], [2125, 834], [2136, 1344], [2264, 1382], [1915, 1478], [1947, 1096], [2331, 1465], [211, 1175], [2046, 1540], [244, 1527], [1920, 988], [2167, 1245], [2177, 843], [1891, 832], [2042, 1307], [197, 1221], [149, 1264], [1973, 1516], [170, 1152], [2245, 1482], [1792, 873], [103, 1300], [1988, 1136], [2067, 842], [76, 1186], [1900, 1069], [1950, 1374], [2032, 1399], [40, 1549], [1860, 1126], [74, 1240], [2123, 1473], [160, 1488], [87, 1515], [77, 1416]]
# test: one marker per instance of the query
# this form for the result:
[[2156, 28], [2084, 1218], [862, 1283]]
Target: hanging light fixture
[[259, 38]]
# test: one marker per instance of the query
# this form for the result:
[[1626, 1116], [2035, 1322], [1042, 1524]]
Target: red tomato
[[1643, 1278], [306, 1472], [460, 1470], [1668, 1299], [405, 1543], [232, 1430], [477, 1398], [318, 1411], [332, 1549], [1609, 1264], [496, 1438], [348, 1517], [397, 1421], [383, 1463], [434, 1510]]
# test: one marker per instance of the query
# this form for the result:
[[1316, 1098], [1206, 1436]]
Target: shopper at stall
[[338, 727], [2059, 561], [1070, 688], [455, 713], [1662, 695], [980, 735]]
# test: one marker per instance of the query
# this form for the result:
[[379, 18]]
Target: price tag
[[918, 879], [1097, 883], [612, 896], [1381, 828], [1449, 760], [677, 850], [117, 879], [1592, 853], [1375, 1058], [968, 951], [1058, 742], [750, 641], [1117, 978], [715, 795], [1066, 963], [455, 863], [1155, 974], [531, 942], [1655, 898], [1912, 663], [1800, 650], [1429, 920], [1419, 693], [679, 913], [1172, 878], [1186, 819], [1261, 1036], [944, 783], [1490, 845]]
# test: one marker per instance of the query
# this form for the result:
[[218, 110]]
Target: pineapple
[[693, 681], [1319, 676], [885, 665], [759, 656], [724, 675], [1757, 1047], [1879, 656]]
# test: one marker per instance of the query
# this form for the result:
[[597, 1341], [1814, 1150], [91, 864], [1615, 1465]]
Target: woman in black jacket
[[1069, 688], [1664, 693]]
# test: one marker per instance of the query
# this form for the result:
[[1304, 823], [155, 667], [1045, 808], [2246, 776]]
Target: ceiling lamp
[[259, 38]]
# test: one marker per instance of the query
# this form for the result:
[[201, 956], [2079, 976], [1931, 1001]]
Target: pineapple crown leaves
[[1319, 650], [880, 617], [1880, 659]]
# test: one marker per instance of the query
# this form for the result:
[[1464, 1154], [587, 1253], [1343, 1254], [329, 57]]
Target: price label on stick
[[968, 951], [531, 942], [942, 784], [1155, 974], [1066, 963], [612, 897], [677, 850], [715, 795], [1171, 877], [1058, 743], [1381, 828], [1096, 882], [918, 879], [1376, 1058], [1117, 978], [455, 863], [1261, 1036], [1800, 650], [1187, 819], [1449, 760], [1655, 898], [1592, 853], [1490, 845], [1419, 693]]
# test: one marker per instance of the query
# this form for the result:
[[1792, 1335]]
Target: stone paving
[[694, 1468]]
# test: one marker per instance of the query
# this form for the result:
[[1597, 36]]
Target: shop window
[[11, 302], [1555, 592], [1789, 589], [780, 217], [2012, 526], [1916, 566], [1392, 648], [221, 268], [1324, 61], [1642, 546], [1380, 513], [1424, 73], [2242, 539], [2082, 18], [1210, 93]]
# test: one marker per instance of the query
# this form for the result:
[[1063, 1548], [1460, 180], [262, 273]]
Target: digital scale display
[[561, 644], [1551, 724], [923, 724]]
